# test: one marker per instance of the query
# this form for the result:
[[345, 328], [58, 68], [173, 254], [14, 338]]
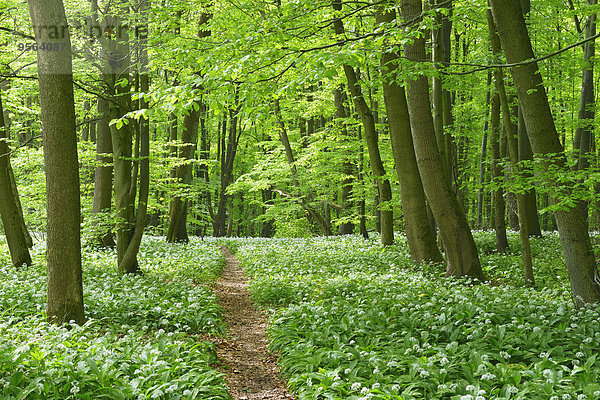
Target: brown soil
[[251, 370]]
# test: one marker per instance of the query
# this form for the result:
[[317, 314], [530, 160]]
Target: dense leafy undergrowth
[[144, 337], [356, 321]]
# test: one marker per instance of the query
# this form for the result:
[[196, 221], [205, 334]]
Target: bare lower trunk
[[512, 141], [103, 177], [177, 231], [420, 236], [482, 167], [526, 154], [368, 123], [461, 254], [63, 254], [575, 240], [11, 213], [497, 173], [341, 113], [311, 212], [128, 263]]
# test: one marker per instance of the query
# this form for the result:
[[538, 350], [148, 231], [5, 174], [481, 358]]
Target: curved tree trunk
[[421, 238], [461, 254], [368, 122], [575, 240], [312, 214], [63, 254], [11, 212], [484, 156], [228, 153], [128, 261], [584, 134]]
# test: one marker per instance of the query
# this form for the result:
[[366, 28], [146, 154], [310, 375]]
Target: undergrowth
[[144, 338], [353, 320]]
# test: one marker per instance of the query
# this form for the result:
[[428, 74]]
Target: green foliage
[[143, 339], [360, 322]]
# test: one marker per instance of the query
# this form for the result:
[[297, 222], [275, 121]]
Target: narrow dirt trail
[[251, 371]]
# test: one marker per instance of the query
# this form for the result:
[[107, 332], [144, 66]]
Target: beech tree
[[11, 212], [419, 234], [103, 176], [55, 77], [462, 258], [575, 241], [368, 121], [510, 130]]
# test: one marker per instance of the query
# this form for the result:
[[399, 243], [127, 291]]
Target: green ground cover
[[353, 320], [145, 338]]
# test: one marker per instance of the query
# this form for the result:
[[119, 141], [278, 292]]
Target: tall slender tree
[[419, 234], [103, 176], [11, 212], [461, 253], [510, 130], [498, 146], [55, 77], [368, 122], [575, 240]]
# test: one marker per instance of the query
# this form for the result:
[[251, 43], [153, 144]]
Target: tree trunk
[[116, 71], [461, 254], [544, 139], [526, 154], [497, 174], [484, 146], [341, 114], [513, 148], [128, 263], [419, 234], [447, 100], [229, 151], [368, 123], [103, 177], [289, 154], [177, 231], [362, 225], [438, 55], [584, 134], [11, 212], [55, 77], [85, 133]]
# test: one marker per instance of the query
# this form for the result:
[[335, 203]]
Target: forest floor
[[251, 370]]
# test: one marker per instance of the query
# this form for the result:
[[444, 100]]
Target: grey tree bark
[[482, 167], [310, 211], [526, 154], [128, 262], [461, 253], [55, 77], [368, 122], [575, 240], [11, 212], [177, 231], [497, 146], [419, 234], [341, 113], [103, 176], [513, 149]]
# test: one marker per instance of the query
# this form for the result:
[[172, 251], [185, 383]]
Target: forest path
[[251, 370]]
